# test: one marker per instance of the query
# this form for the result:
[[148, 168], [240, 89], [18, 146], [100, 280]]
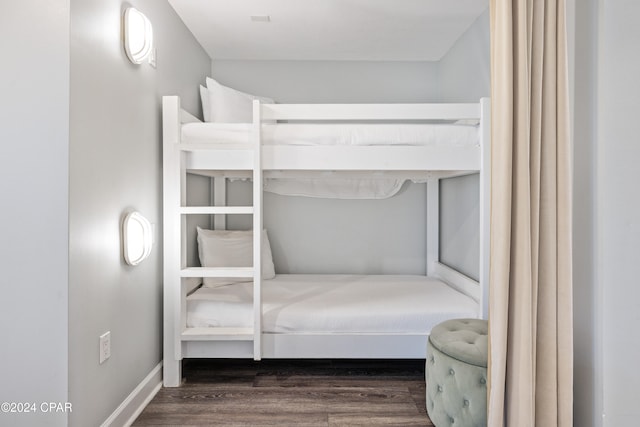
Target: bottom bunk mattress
[[300, 303]]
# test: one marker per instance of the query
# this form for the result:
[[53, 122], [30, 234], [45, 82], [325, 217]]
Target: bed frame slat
[[370, 112]]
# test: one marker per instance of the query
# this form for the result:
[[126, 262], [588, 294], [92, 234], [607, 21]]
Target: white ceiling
[[391, 30]]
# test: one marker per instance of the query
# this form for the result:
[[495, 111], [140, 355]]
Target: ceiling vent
[[260, 18]]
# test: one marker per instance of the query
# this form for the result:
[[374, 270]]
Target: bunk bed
[[268, 315]]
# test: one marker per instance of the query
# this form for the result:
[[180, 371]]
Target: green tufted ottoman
[[456, 373]]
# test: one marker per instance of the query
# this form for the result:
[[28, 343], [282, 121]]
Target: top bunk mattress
[[335, 134], [300, 303]]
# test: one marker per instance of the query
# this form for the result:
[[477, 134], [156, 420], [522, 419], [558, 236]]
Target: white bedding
[[334, 188], [294, 303], [334, 134], [344, 134]]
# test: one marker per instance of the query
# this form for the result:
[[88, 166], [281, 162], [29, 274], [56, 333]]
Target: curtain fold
[[530, 312]]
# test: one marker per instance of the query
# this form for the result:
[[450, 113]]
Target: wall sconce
[[138, 35], [137, 238]]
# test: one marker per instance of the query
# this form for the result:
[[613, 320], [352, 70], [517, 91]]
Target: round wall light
[[137, 238], [138, 35]]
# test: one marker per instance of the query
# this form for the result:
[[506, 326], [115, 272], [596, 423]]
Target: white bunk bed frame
[[256, 160]]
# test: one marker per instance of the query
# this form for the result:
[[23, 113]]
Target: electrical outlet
[[105, 346]]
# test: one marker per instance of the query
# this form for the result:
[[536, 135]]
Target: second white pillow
[[227, 105], [232, 248]]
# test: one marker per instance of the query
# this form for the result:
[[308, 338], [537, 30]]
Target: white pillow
[[227, 105], [230, 248], [206, 108]]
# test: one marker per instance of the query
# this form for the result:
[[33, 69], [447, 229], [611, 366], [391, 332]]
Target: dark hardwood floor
[[293, 393]]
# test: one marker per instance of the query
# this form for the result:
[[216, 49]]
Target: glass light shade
[[137, 238], [138, 35]]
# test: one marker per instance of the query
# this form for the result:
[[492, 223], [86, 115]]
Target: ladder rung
[[246, 272], [204, 146], [212, 210], [217, 334]]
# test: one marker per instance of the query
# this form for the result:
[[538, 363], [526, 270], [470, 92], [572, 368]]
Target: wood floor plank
[[419, 394], [293, 393], [399, 419], [331, 381], [292, 400], [233, 419]]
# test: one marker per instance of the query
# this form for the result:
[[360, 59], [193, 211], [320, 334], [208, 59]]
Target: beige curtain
[[530, 308]]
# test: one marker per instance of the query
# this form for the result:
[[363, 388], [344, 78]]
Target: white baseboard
[[134, 404]]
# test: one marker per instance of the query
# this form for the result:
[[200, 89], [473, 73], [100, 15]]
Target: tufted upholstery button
[[451, 420], [452, 372], [439, 389], [483, 381], [465, 402]]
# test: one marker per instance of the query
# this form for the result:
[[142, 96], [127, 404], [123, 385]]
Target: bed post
[[257, 231], [219, 197], [485, 204], [433, 225], [172, 227]]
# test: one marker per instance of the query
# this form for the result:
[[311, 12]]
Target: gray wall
[[34, 147], [332, 81], [348, 236], [617, 211], [464, 72], [391, 239], [309, 235], [616, 232], [115, 166], [459, 224], [464, 76], [340, 236]]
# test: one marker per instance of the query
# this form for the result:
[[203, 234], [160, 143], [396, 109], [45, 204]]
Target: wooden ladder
[[175, 230]]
